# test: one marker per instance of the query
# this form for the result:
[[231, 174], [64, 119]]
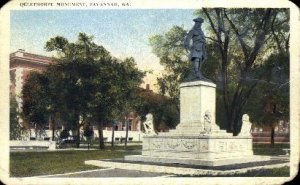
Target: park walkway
[[107, 172]]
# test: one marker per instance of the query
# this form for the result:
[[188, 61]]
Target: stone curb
[[70, 173], [177, 170]]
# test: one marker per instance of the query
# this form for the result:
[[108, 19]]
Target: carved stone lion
[[246, 126], [148, 125]]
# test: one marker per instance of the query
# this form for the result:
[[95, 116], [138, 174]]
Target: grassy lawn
[[24, 164], [33, 163], [267, 149], [276, 172]]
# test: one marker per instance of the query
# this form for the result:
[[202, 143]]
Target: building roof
[[21, 57]]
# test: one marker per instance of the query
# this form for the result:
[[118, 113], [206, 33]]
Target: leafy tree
[[114, 90], [85, 82], [163, 109], [271, 102], [71, 76], [14, 126], [35, 101], [70, 88], [243, 38], [173, 57]]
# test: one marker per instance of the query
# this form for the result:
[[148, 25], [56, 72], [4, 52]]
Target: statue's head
[[246, 117], [198, 20]]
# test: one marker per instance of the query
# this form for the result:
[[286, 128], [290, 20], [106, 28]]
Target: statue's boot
[[197, 74]]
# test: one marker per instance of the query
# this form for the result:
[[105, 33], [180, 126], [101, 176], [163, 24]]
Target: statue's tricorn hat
[[198, 19]]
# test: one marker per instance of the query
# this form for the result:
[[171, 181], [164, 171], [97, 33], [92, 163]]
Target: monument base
[[197, 162], [198, 139], [205, 150]]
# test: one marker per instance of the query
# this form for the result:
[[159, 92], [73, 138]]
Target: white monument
[[197, 139]]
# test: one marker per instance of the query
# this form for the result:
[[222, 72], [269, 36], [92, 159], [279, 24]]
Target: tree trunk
[[52, 124], [113, 136], [78, 137], [100, 133], [53, 137], [272, 135], [237, 121], [223, 48], [240, 98], [35, 131], [126, 136]]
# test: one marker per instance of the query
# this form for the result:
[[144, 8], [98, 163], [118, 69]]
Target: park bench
[[67, 143], [71, 141], [122, 139]]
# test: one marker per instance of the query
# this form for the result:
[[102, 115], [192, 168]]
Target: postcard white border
[[152, 4]]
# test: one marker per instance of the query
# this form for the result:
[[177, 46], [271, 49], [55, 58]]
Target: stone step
[[193, 131]]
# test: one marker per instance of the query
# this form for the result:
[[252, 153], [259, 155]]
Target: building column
[[18, 89]]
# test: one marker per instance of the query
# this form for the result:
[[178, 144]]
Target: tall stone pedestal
[[197, 139], [197, 109]]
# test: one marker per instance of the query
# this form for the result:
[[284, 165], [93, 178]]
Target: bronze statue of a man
[[197, 50]]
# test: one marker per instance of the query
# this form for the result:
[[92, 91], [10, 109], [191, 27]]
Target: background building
[[21, 64]]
